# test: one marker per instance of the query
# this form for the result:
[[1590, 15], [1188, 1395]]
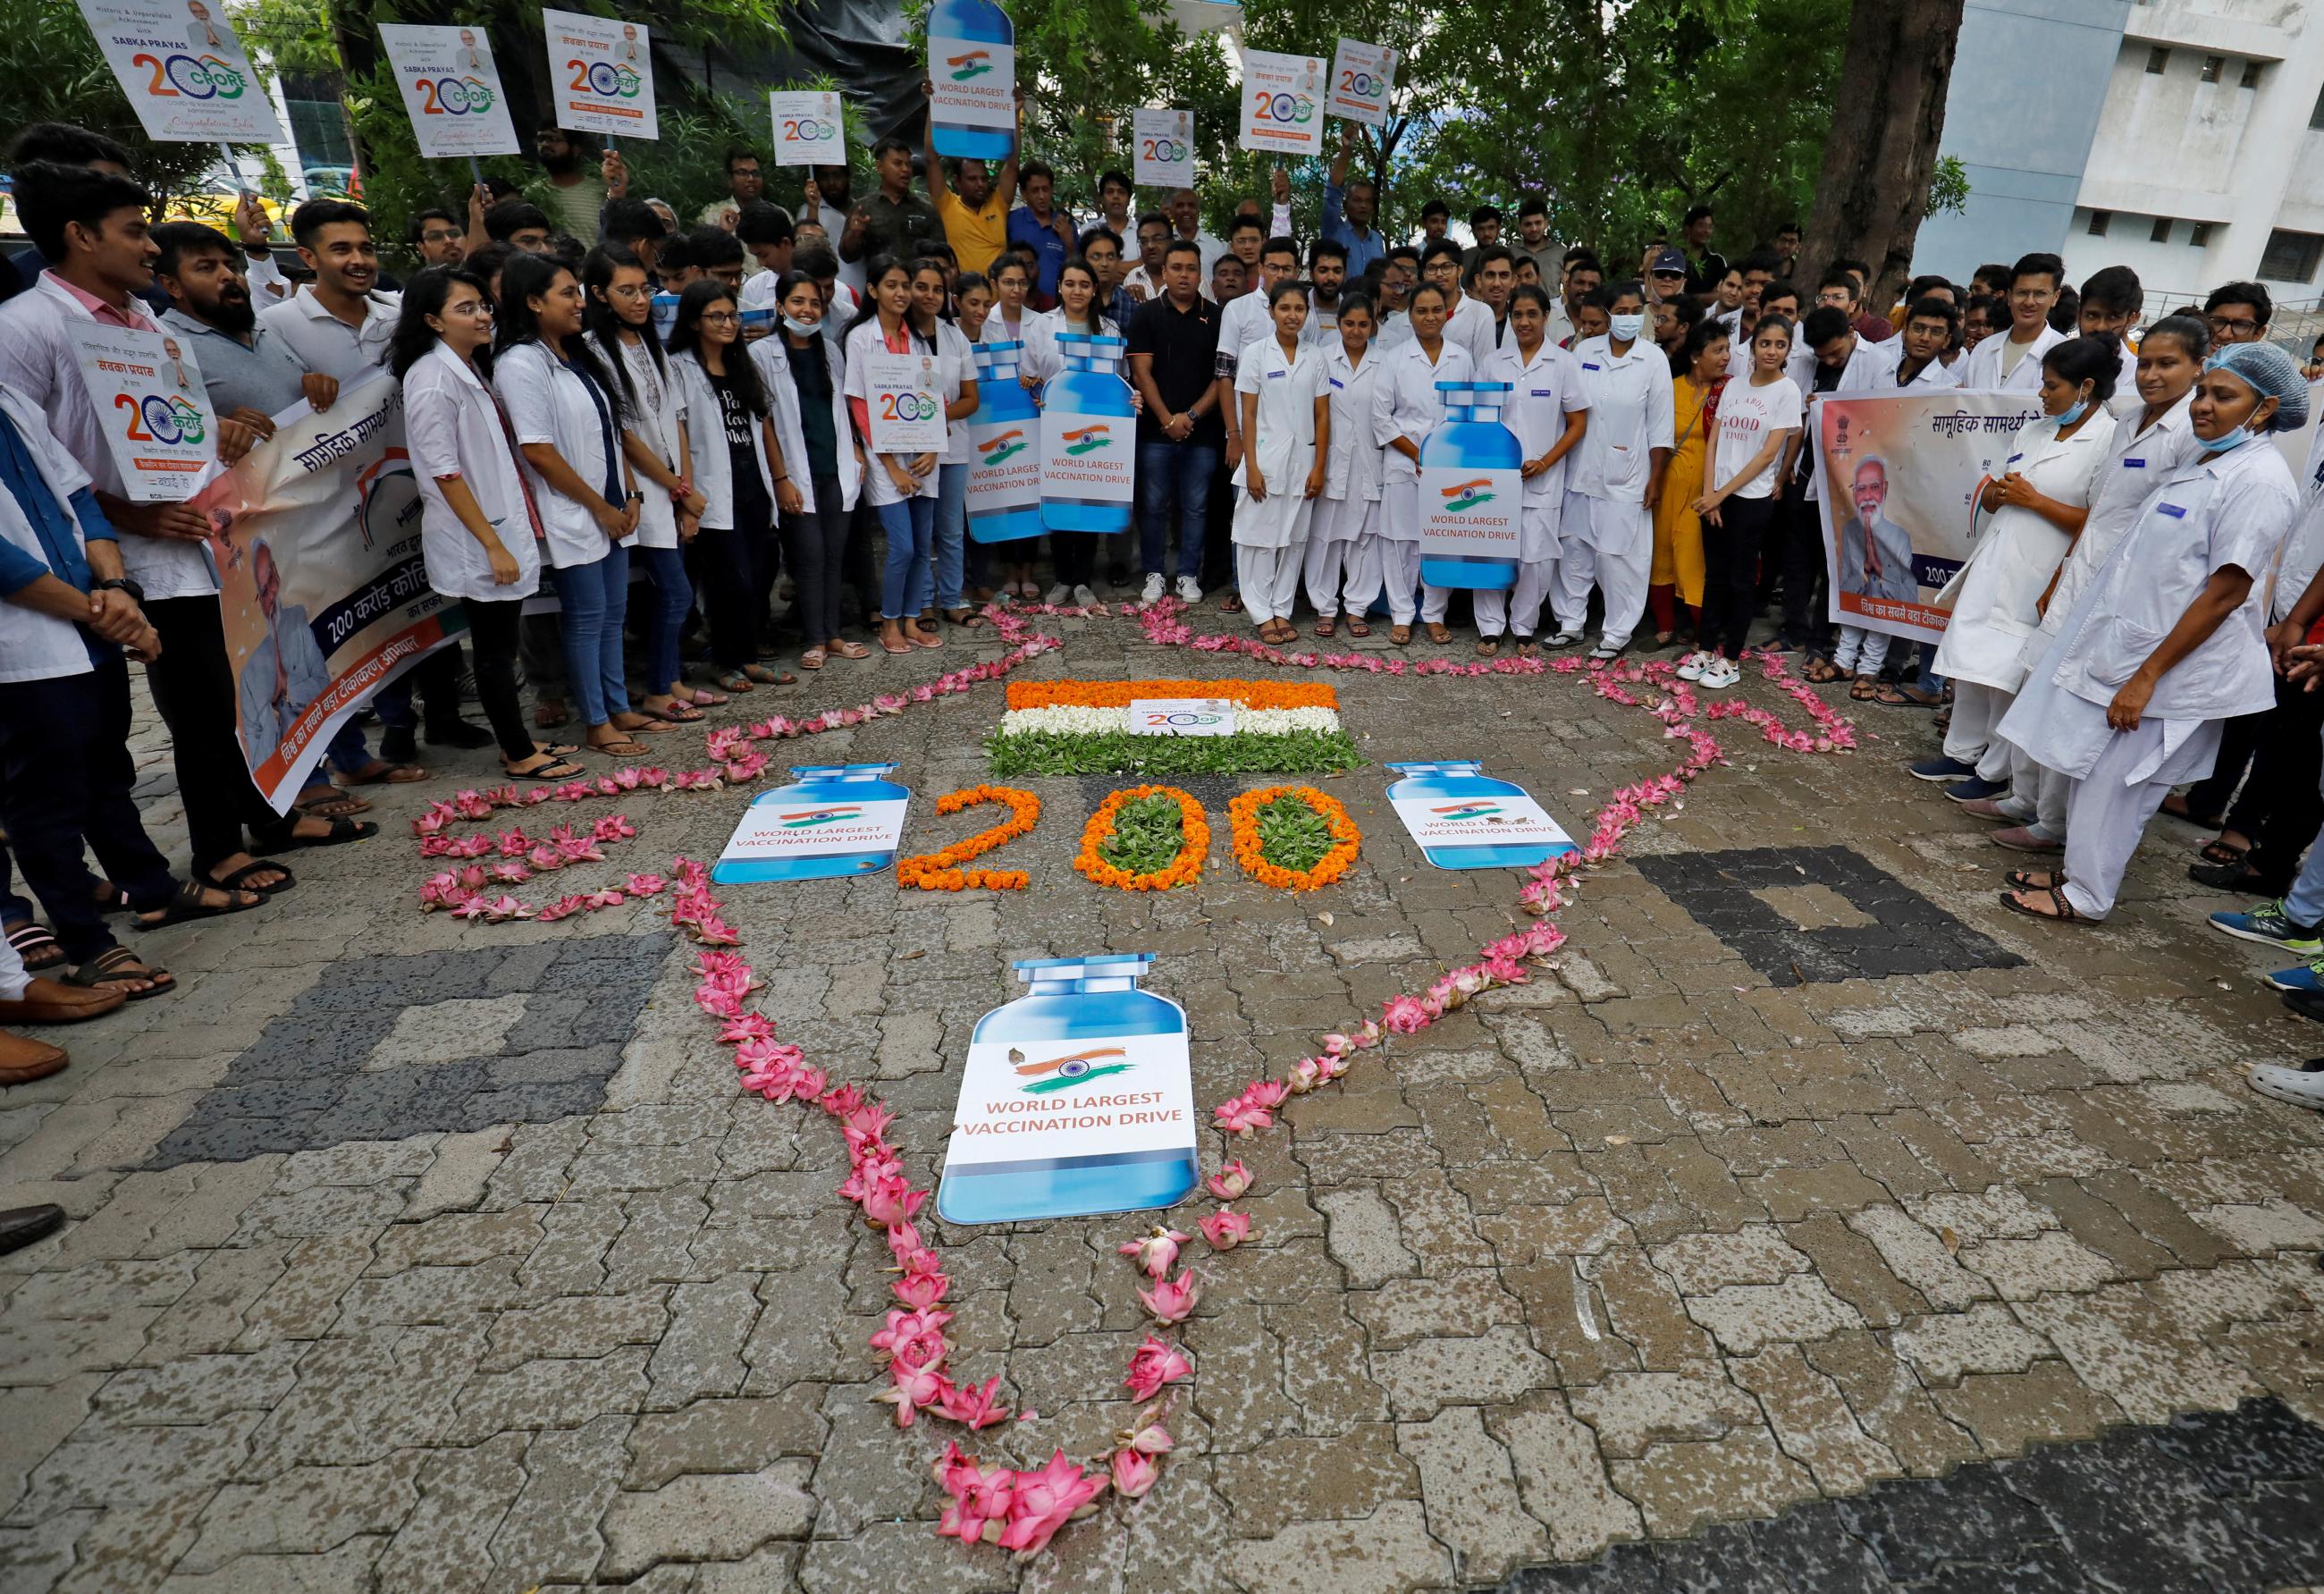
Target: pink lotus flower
[[887, 702], [1134, 1474], [473, 877], [1330, 1068], [431, 823], [892, 1200], [914, 1336], [1338, 1045], [912, 1389], [977, 1406], [1304, 1076], [1171, 1300], [1045, 1501], [651, 776], [1241, 1117], [981, 1498], [514, 844], [615, 827], [920, 1291], [1231, 1180], [1405, 1015], [545, 857], [1225, 1229], [646, 885], [843, 1101], [1154, 1364], [1265, 1092], [1157, 1253], [511, 874]]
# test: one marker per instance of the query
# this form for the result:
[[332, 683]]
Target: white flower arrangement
[[1072, 720]]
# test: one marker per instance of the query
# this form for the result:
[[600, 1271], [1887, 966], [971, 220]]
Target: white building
[[2181, 138]]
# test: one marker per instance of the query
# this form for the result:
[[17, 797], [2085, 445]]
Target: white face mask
[[1625, 329], [803, 329]]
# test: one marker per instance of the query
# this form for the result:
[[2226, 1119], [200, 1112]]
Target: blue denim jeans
[[597, 600], [672, 596], [952, 532], [1173, 475], [911, 529]]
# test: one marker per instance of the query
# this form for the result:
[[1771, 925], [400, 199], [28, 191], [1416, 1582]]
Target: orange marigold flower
[[1184, 869], [1242, 827], [1121, 694], [941, 871]]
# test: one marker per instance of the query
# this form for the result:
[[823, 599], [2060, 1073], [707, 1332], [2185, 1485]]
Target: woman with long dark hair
[[811, 426], [1074, 552], [620, 319], [566, 410], [742, 474], [476, 531], [902, 487], [930, 300]]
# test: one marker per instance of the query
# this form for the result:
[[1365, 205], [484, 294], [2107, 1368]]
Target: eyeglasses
[[721, 317], [439, 236], [2233, 325]]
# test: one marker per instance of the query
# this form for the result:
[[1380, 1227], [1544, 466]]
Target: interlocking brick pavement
[[412, 1254]]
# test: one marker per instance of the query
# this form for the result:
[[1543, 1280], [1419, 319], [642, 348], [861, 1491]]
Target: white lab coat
[[705, 431], [1632, 412], [2135, 462], [2303, 549], [956, 357], [1992, 595], [1285, 443], [1471, 325], [1353, 461], [1936, 373], [656, 418], [549, 402], [34, 646], [1545, 394], [453, 428], [1405, 404], [772, 356], [1982, 371]]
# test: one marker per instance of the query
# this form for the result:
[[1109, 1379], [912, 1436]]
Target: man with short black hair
[[2013, 361], [745, 182], [1327, 277], [1174, 342], [1351, 208], [518, 223], [1187, 222], [974, 206], [1704, 265], [1436, 221], [1534, 241], [2112, 299], [437, 237], [827, 204], [632, 224], [1143, 279], [62, 144], [1485, 227], [2239, 312], [1039, 225], [895, 221], [581, 192], [1786, 251], [1493, 273], [1113, 195], [1581, 277]]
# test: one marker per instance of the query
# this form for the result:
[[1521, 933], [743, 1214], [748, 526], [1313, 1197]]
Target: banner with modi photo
[[1897, 479], [323, 592]]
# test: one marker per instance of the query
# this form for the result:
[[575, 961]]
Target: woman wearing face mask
[[2146, 444], [1675, 576], [902, 487], [1075, 552], [1405, 408], [1550, 416], [476, 527], [1607, 536], [2038, 506], [1755, 435], [1343, 539], [654, 441], [1286, 415], [930, 300], [813, 432], [744, 478], [566, 408], [2167, 643]]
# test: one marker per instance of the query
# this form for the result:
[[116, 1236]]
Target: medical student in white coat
[[1342, 562], [2038, 504], [2150, 440], [620, 318], [477, 535], [1606, 538], [2169, 642], [1287, 429], [1549, 414], [566, 407], [2010, 360], [797, 366], [1929, 328], [1405, 408]]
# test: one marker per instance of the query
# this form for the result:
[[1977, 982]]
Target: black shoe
[[397, 745], [21, 1226], [2308, 1004], [2235, 875], [458, 734]]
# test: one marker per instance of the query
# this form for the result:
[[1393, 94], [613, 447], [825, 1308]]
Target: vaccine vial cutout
[[1089, 438], [1471, 469], [835, 820], [973, 70], [1462, 819], [1077, 1098], [1004, 436]]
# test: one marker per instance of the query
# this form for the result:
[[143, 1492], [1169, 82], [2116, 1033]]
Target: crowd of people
[[666, 427]]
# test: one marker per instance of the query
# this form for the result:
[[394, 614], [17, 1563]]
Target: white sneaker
[[1058, 594], [1690, 668], [2302, 1087], [1085, 597], [1190, 591], [1154, 587], [1719, 675]]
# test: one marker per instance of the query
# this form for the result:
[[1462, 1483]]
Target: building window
[[2292, 257], [2213, 65], [2251, 74], [2099, 220], [2160, 232], [2157, 59], [2199, 236]]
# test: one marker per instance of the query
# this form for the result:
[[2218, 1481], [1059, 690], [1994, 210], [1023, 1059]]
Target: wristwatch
[[120, 583]]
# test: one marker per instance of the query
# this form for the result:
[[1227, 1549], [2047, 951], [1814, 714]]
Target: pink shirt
[[132, 315]]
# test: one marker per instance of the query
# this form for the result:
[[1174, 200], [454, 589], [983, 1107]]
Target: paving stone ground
[[1816, 1213]]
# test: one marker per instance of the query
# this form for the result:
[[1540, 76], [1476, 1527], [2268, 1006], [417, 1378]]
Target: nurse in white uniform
[[2038, 506], [2153, 440], [1343, 560], [1606, 538], [1407, 408], [2169, 639], [1550, 415], [1286, 419]]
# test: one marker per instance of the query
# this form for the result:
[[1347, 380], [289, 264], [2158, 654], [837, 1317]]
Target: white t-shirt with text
[[1747, 415]]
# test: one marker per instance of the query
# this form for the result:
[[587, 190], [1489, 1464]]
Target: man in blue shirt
[[1348, 209], [1049, 232]]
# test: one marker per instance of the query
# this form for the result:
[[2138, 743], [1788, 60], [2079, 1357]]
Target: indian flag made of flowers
[[1171, 727]]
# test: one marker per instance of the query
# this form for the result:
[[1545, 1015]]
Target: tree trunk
[[1882, 151]]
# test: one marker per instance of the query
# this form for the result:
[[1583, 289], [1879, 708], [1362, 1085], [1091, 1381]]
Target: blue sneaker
[[1941, 769], [2308, 978], [1973, 790], [2270, 925]]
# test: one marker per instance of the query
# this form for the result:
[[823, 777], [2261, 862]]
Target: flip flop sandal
[[697, 698], [36, 947], [1326, 626], [674, 713], [2021, 879], [2066, 912], [1890, 696], [104, 972], [920, 638], [557, 750], [813, 659], [113, 900], [1357, 628], [1231, 604], [2218, 852], [390, 775], [1488, 647], [1439, 634], [737, 682], [1777, 649], [623, 749], [1527, 649], [851, 650], [967, 619], [1401, 635], [1862, 690], [895, 650], [186, 905], [770, 677], [1822, 672], [239, 881], [556, 770], [342, 831]]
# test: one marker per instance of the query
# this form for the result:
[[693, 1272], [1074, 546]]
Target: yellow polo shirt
[[977, 237]]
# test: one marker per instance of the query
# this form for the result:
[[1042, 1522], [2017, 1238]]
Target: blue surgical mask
[[1627, 328], [802, 329], [2073, 412], [2225, 441]]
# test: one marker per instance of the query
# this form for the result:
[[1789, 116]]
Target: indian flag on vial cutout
[[1170, 727]]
